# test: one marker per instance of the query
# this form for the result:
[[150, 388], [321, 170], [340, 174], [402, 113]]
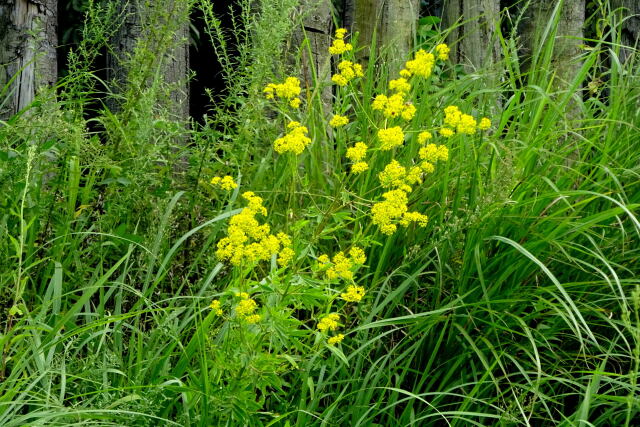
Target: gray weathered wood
[[317, 26], [153, 32], [28, 38], [391, 23], [473, 42], [630, 31]]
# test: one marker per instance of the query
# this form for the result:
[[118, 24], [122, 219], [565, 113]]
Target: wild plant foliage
[[426, 250]]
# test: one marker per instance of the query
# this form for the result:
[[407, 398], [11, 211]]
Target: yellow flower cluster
[[423, 137], [431, 153], [335, 339], [442, 50], [394, 210], [456, 122], [216, 307], [338, 121], [341, 265], [295, 141], [248, 240], [484, 124], [395, 175], [338, 46], [329, 322], [246, 309], [348, 71], [390, 138], [421, 65], [353, 293], [400, 85], [226, 182], [394, 106], [356, 154], [289, 90]]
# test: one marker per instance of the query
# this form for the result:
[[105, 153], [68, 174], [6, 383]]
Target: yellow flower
[[215, 306], [338, 121], [422, 64], [400, 85], [339, 47], [390, 138], [416, 217], [288, 90], [442, 50], [295, 141], [414, 176], [357, 152], [427, 167], [353, 293], [423, 137], [484, 124], [395, 105], [466, 125], [385, 213], [348, 72], [295, 102], [335, 339], [341, 267], [226, 183], [394, 175], [339, 79], [324, 259], [380, 102], [452, 115], [405, 73], [408, 112], [269, 90], [340, 33], [359, 167], [329, 322], [446, 132], [357, 255], [285, 256], [246, 307], [253, 318], [247, 239]]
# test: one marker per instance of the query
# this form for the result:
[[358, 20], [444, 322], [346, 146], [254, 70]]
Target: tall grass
[[519, 303]]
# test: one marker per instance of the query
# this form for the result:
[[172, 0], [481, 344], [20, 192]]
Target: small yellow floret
[[338, 121], [400, 85], [442, 50], [390, 138], [423, 137], [225, 183], [353, 293], [357, 255], [359, 167], [446, 132], [329, 322], [340, 33], [335, 340], [422, 64], [484, 124], [253, 318], [215, 306], [285, 256], [246, 307], [295, 141], [357, 152]]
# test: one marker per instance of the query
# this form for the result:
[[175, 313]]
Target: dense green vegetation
[[517, 303]]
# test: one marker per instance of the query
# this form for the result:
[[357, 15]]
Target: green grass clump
[[516, 302]]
